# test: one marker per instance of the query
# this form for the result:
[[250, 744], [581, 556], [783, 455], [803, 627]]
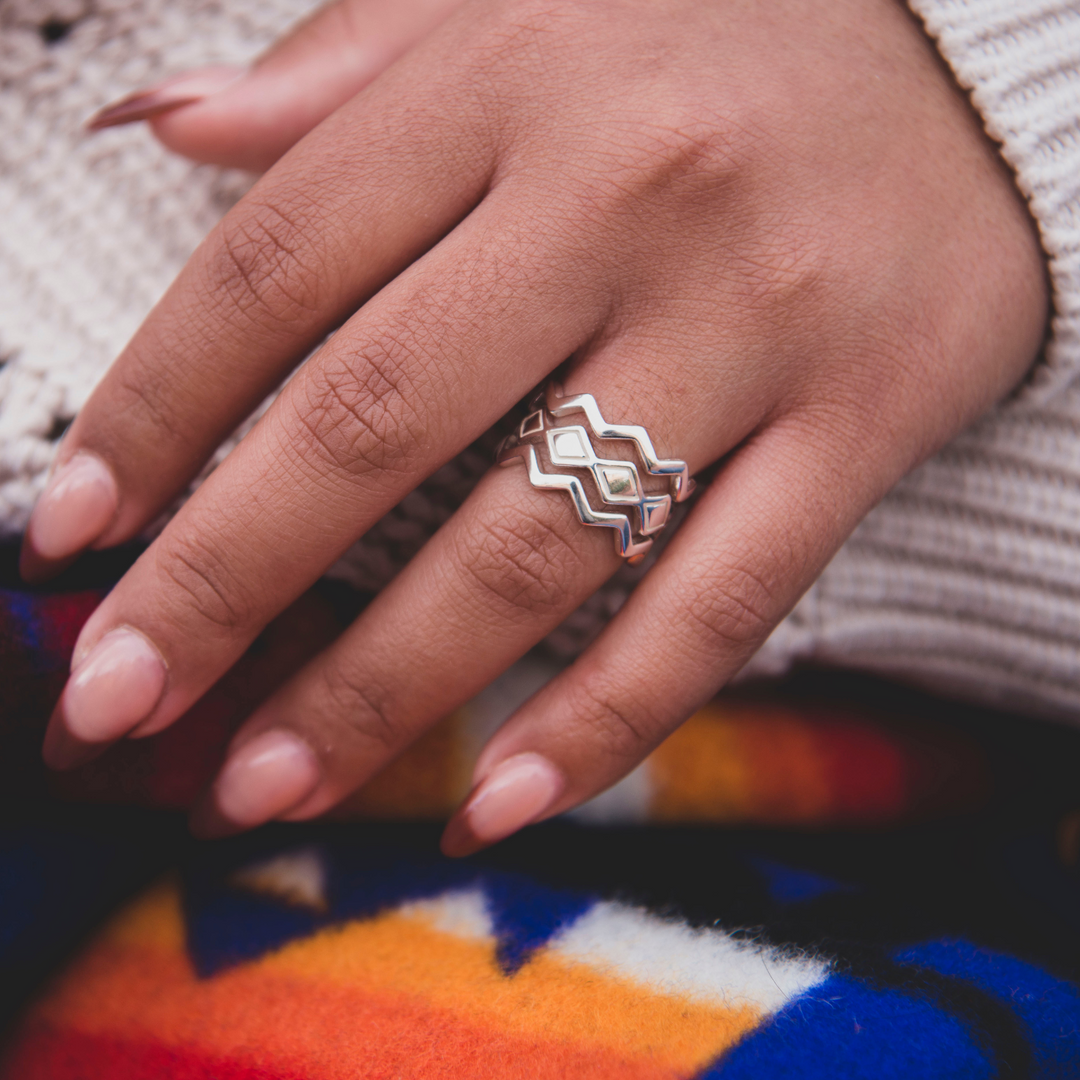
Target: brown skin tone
[[772, 232]]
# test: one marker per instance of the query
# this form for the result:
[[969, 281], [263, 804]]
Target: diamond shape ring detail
[[623, 485]]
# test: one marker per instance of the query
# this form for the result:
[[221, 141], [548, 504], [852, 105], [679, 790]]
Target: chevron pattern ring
[[626, 487]]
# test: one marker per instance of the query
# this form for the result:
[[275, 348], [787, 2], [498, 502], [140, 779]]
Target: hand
[[774, 234]]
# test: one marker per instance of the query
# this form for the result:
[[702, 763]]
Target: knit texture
[[966, 576], [95, 228]]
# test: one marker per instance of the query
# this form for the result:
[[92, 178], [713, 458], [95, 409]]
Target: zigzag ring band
[[627, 488]]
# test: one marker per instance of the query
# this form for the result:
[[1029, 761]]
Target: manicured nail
[[266, 777], [514, 794], [115, 687], [162, 97], [74, 510]]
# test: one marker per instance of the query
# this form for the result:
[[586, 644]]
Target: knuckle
[[149, 398], [526, 564], [735, 615], [683, 149], [674, 160], [362, 415], [787, 275], [364, 709], [623, 735], [263, 264], [519, 28], [203, 584]]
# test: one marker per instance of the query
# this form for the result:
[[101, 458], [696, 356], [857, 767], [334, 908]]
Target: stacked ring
[[627, 488]]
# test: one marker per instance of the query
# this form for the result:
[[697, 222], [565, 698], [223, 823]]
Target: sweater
[[965, 578]]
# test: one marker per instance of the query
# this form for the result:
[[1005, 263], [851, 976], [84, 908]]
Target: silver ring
[[628, 488]]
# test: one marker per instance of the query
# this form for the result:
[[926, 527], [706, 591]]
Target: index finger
[[406, 384], [348, 209]]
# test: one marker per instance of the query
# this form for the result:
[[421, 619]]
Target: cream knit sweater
[[966, 577]]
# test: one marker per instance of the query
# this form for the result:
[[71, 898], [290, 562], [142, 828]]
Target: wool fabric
[[944, 945], [408, 965], [967, 575]]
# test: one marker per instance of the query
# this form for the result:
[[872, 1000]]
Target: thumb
[[248, 117]]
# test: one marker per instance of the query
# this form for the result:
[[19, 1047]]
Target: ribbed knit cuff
[[1021, 61]]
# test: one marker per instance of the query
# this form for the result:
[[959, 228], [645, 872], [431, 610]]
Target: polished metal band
[[558, 449]]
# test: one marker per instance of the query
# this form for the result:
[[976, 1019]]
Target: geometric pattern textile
[[302, 954], [828, 879]]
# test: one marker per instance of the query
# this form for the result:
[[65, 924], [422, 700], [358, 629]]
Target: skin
[[773, 233]]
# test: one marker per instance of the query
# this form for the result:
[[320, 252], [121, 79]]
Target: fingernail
[[153, 100], [75, 509], [514, 794], [267, 776], [114, 688]]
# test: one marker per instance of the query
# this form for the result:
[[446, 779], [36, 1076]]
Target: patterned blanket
[[830, 878]]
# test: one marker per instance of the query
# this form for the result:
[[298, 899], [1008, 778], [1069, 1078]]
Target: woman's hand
[[773, 233]]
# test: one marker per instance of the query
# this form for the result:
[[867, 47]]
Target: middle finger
[[311, 243], [408, 382]]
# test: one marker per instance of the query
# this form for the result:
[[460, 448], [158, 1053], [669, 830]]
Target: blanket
[[830, 877]]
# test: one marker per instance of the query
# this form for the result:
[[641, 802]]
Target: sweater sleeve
[[966, 578]]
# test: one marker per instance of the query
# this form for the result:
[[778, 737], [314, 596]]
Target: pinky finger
[[754, 543]]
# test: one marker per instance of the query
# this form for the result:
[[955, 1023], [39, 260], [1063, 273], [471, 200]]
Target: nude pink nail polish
[[162, 97], [514, 794], [76, 507], [115, 687], [265, 777]]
